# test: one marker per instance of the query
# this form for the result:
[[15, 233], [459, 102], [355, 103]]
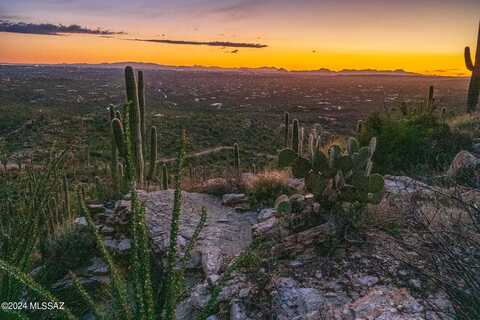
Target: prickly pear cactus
[[337, 174]]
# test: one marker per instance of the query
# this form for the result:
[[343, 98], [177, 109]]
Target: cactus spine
[[134, 117], [287, 126], [153, 152], [474, 87], [296, 137]]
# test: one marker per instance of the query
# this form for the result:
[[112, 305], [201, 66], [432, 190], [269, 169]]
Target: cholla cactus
[[474, 88]]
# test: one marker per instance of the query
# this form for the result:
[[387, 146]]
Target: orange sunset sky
[[424, 36]]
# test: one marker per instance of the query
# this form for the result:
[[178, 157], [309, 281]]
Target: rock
[[225, 235], [120, 246], [402, 185], [367, 281], [464, 160], [97, 266], [384, 303], [265, 227], [233, 199], [211, 261], [237, 311], [81, 221], [316, 207], [95, 208], [214, 317], [297, 184], [266, 214], [304, 242], [292, 302], [476, 148]]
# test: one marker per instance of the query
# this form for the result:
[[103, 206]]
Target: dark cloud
[[234, 51], [206, 43], [49, 29]]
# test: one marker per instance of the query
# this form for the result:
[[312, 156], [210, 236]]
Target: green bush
[[413, 145]]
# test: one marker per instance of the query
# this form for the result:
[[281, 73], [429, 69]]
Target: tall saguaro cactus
[[141, 104], [287, 126], [474, 88], [134, 118]]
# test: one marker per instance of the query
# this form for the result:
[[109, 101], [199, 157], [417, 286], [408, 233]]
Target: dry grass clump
[[263, 188]]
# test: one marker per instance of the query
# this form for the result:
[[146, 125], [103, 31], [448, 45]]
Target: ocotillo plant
[[296, 137], [141, 104], [236, 154], [287, 126], [66, 197], [153, 152], [134, 117], [474, 88]]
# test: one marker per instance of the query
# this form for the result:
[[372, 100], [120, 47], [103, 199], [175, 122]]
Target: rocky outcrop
[[464, 160], [225, 235]]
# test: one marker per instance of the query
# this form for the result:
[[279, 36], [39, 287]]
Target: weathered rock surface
[[463, 160], [225, 235], [290, 301]]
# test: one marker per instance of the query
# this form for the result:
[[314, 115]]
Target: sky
[[425, 36]]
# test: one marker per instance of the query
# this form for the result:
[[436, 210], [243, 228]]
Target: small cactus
[[474, 67]]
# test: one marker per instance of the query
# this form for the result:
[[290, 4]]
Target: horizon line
[[399, 71]]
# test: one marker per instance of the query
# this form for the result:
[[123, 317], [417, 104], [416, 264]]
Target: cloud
[[234, 51], [206, 43], [50, 29]]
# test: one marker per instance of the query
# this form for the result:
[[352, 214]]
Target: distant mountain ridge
[[271, 70]]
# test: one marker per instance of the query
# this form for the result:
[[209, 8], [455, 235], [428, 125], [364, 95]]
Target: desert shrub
[[412, 145], [448, 242], [264, 188], [68, 251]]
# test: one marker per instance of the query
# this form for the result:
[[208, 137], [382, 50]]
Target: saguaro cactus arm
[[468, 59]]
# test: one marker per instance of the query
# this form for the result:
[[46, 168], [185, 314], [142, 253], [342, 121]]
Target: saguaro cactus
[[141, 104], [296, 137], [474, 88], [164, 177], [135, 123], [287, 126], [114, 155], [153, 152]]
